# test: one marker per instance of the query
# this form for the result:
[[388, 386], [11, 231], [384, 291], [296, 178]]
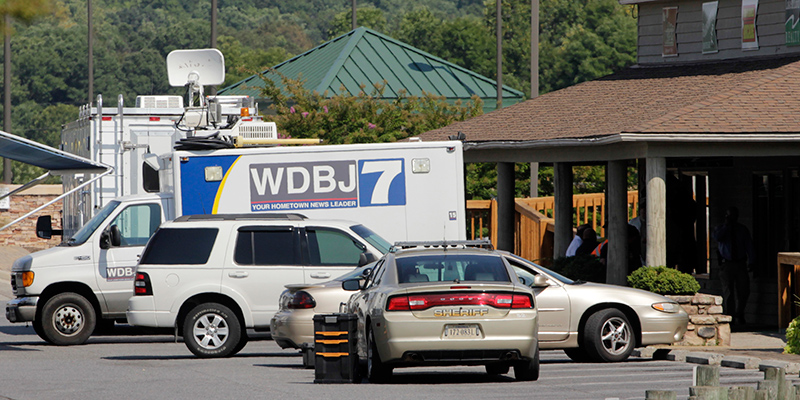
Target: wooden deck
[[534, 221]]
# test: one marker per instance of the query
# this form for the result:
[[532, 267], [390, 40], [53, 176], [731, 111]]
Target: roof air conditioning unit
[[255, 130], [159, 102]]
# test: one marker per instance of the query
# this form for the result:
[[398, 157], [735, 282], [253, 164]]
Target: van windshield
[[84, 233], [372, 238]]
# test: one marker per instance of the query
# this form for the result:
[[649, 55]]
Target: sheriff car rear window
[[451, 268], [180, 246]]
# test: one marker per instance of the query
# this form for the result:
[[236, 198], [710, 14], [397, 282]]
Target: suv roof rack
[[238, 217], [481, 244]]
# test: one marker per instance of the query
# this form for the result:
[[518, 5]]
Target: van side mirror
[[110, 237], [352, 285], [365, 258], [44, 227]]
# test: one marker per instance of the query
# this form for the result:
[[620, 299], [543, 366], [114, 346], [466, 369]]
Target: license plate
[[465, 331]]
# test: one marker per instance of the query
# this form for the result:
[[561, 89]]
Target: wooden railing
[[535, 221]]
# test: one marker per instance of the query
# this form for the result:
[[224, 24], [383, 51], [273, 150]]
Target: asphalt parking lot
[[130, 363]]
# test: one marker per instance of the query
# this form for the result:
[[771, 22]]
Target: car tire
[[497, 369], [578, 354], [37, 327], [528, 370], [67, 319], [377, 372], [212, 330], [608, 336]]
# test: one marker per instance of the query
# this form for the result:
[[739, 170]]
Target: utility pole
[[499, 33], [7, 175], [213, 89], [213, 24], [534, 83], [353, 16], [91, 52]]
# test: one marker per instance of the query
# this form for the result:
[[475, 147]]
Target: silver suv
[[212, 276]]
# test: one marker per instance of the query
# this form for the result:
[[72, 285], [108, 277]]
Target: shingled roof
[[365, 57], [737, 97]]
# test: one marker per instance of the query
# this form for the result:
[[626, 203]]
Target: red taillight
[[141, 285], [398, 303], [301, 300], [155, 119], [425, 301], [106, 118], [521, 301]]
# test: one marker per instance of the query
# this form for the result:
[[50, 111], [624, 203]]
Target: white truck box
[[118, 137], [402, 191]]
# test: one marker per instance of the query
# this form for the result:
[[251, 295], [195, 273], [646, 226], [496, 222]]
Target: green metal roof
[[365, 57]]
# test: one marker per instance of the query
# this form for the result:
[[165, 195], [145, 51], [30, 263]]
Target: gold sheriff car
[[445, 303]]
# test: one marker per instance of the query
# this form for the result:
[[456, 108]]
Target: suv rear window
[[180, 246], [451, 267]]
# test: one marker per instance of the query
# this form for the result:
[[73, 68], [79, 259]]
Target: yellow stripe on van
[[222, 186]]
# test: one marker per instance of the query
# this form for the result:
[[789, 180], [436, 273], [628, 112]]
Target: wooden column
[[562, 209], [534, 179], [617, 214], [701, 227], [505, 206], [656, 211]]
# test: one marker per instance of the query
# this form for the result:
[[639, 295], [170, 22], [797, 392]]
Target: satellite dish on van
[[199, 67]]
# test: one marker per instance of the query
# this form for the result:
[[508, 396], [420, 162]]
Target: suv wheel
[[67, 319], [212, 330]]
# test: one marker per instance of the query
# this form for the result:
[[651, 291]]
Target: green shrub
[[663, 280], [583, 267], [793, 337]]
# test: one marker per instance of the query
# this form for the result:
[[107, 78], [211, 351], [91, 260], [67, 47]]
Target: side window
[[332, 247], [137, 223], [150, 181], [191, 246], [524, 276], [377, 274], [266, 246]]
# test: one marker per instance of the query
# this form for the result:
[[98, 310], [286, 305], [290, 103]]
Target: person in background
[[736, 257], [577, 240], [589, 242]]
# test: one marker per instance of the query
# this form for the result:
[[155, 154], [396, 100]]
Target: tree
[[581, 40], [369, 17], [461, 41], [364, 118], [24, 11]]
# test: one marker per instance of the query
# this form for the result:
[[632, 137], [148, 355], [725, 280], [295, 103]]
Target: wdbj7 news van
[[220, 165]]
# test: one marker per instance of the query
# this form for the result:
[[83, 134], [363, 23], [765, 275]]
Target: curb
[[706, 358]]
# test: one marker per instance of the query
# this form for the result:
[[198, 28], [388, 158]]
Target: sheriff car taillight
[[141, 285], [301, 300], [418, 302]]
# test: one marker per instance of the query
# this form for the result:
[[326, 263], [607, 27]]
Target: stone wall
[[708, 326], [23, 233]]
